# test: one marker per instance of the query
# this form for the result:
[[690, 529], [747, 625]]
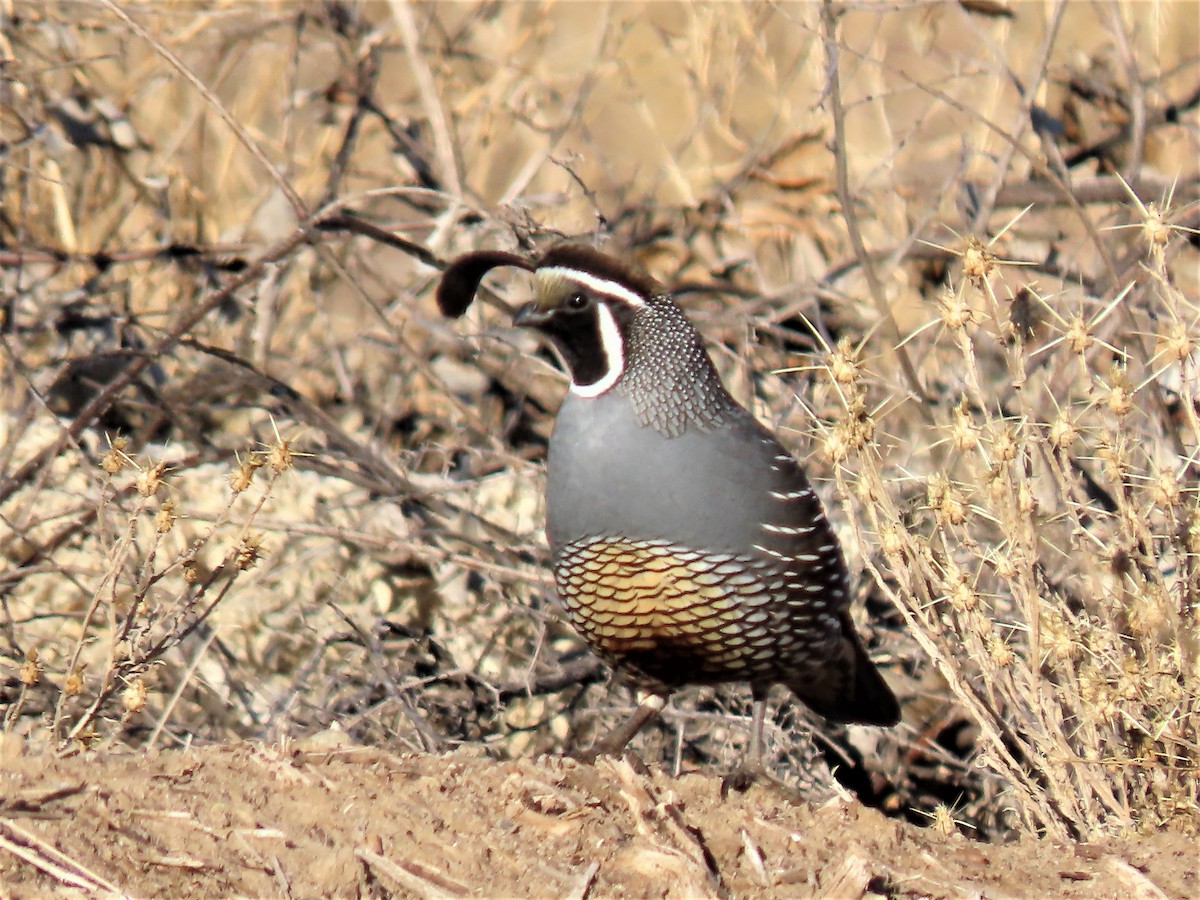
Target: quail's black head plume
[[688, 545]]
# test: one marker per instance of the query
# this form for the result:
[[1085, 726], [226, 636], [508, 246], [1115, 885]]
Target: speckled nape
[[669, 377]]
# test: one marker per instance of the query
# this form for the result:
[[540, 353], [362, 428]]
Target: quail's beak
[[529, 316]]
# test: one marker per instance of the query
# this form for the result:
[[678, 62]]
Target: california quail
[[688, 546]]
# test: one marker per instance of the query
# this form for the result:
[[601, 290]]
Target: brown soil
[[326, 820]]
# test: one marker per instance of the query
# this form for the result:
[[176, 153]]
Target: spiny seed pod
[[31, 669], [164, 519], [1078, 336], [249, 551], [1176, 342], [999, 651], [964, 434], [115, 459], [150, 479], [843, 362], [134, 696], [978, 261], [73, 684], [280, 456], [1120, 392], [956, 312], [243, 476], [1062, 433], [1165, 489]]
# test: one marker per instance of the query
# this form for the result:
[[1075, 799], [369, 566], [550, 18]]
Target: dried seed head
[[843, 362], [1095, 692], [150, 479], [243, 476], [249, 551], [191, 573], [1077, 336], [997, 483], [1165, 489], [31, 669], [963, 597], [1120, 392], [1176, 342], [115, 459], [1004, 445], [134, 696], [1146, 614], [943, 820], [1112, 451], [280, 456], [73, 683], [964, 434], [1027, 504], [956, 312], [866, 489], [1058, 637], [1063, 432], [1004, 567], [978, 262], [1156, 231], [999, 651], [946, 501], [891, 542], [165, 517]]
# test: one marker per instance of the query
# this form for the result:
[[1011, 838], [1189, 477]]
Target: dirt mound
[[255, 820]]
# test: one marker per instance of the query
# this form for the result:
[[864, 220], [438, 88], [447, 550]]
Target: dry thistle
[[1078, 335], [999, 651], [959, 590], [280, 456], [1062, 433], [1058, 637], [31, 669], [852, 432], [249, 551], [891, 542], [1112, 452], [956, 312], [1146, 614], [164, 519], [843, 363], [243, 476], [150, 479], [1120, 391], [978, 261], [963, 433], [73, 683], [1154, 229], [945, 500], [115, 459], [1164, 489], [1176, 343], [133, 698]]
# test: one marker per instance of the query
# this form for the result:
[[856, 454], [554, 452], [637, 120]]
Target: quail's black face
[[586, 318], [584, 305]]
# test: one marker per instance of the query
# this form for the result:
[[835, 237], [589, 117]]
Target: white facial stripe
[[614, 354], [599, 285]]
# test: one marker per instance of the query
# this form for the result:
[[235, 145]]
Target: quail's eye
[[577, 301]]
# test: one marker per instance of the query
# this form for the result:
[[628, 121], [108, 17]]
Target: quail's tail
[[850, 689]]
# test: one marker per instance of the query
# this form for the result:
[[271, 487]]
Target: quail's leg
[[752, 768], [649, 706]]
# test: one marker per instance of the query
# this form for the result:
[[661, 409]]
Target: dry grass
[[251, 486]]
